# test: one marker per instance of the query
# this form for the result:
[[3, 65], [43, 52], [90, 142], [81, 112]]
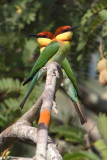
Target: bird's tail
[[29, 90], [72, 92], [27, 80], [80, 111]]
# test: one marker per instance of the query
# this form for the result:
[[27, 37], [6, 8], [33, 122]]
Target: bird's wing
[[71, 91], [35, 79], [29, 90], [66, 66], [45, 55]]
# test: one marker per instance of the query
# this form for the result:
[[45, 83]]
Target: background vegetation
[[18, 54]]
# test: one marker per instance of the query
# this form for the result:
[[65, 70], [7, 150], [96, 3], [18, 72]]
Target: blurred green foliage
[[18, 54], [70, 133], [75, 136], [81, 155]]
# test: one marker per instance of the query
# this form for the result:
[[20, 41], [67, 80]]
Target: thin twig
[[54, 108], [87, 140], [100, 50], [101, 43]]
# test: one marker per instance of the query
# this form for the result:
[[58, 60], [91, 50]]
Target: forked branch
[[23, 130]]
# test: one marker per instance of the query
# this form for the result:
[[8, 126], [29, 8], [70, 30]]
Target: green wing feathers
[[66, 66], [29, 90], [71, 91], [46, 54]]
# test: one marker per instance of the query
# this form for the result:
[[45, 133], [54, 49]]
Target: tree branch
[[23, 131], [53, 80]]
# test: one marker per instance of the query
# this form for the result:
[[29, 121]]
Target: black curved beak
[[72, 28], [33, 35]]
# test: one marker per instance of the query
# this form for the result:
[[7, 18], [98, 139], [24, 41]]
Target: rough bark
[[22, 130]]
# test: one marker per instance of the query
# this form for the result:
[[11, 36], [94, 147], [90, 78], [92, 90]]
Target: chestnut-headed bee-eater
[[55, 48]]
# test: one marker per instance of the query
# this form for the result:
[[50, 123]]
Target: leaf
[[81, 45], [32, 16], [82, 155], [102, 125], [105, 29], [28, 51], [94, 25], [105, 54], [93, 11], [9, 85], [71, 134], [2, 120], [83, 41], [102, 148], [103, 14], [79, 58]]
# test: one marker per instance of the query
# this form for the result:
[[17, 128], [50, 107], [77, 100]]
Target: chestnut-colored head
[[64, 33], [45, 34], [43, 38], [61, 29]]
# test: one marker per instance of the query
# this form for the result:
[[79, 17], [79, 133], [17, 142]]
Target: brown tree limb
[[54, 75], [22, 130], [18, 129], [16, 158]]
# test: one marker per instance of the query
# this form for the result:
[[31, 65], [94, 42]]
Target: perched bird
[[43, 38], [54, 48]]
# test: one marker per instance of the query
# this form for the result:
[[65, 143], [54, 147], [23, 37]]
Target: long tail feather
[[80, 111], [29, 90], [27, 80]]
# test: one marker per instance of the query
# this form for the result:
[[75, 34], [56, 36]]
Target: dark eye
[[44, 36], [63, 31]]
